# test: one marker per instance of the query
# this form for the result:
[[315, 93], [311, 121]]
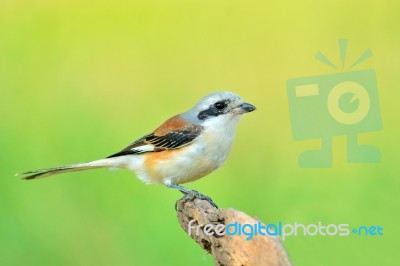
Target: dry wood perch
[[230, 250]]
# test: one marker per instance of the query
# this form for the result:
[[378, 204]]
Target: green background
[[80, 80]]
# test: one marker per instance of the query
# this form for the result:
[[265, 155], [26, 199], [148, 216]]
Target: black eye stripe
[[213, 110]]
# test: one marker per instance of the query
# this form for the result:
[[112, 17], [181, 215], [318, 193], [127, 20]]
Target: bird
[[186, 147]]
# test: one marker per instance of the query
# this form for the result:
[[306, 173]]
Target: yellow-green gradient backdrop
[[80, 80]]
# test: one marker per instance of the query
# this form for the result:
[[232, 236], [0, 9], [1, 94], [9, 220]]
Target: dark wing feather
[[172, 140]]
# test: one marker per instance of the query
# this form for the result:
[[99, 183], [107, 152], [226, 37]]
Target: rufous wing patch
[[172, 124]]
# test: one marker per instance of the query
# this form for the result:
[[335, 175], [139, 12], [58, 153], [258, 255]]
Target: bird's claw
[[195, 194]]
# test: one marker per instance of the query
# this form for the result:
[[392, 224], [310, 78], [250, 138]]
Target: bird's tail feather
[[40, 173]]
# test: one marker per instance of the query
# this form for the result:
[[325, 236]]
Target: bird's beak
[[244, 108]]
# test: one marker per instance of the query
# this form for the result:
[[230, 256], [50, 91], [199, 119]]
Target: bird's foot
[[192, 194]]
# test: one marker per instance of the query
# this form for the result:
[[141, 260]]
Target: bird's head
[[219, 108]]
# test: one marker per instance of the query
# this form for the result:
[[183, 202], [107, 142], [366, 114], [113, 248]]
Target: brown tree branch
[[229, 250]]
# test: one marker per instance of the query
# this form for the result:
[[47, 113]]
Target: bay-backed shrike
[[184, 148]]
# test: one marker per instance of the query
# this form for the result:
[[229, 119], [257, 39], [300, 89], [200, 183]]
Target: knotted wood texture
[[230, 250]]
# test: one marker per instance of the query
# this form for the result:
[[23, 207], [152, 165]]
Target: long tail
[[40, 173]]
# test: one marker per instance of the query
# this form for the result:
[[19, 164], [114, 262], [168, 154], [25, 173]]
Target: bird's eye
[[220, 105]]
